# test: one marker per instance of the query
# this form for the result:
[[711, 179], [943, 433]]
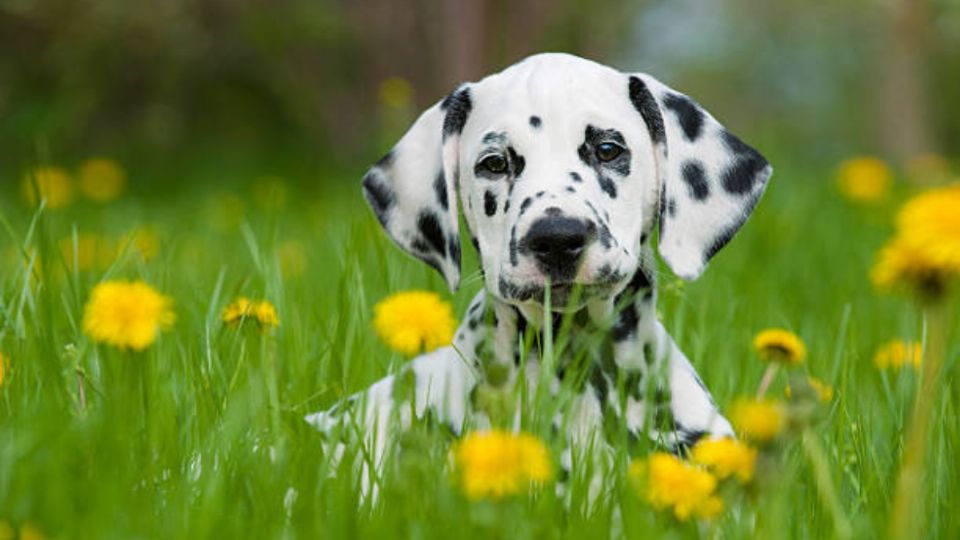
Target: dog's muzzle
[[557, 244]]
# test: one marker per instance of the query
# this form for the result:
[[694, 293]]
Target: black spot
[[489, 203], [378, 194], [429, 227], [535, 122], [693, 175], [525, 205], [513, 246], [746, 168], [440, 189], [672, 207], [607, 186], [517, 163], [540, 194], [626, 325], [553, 211], [506, 205], [476, 245], [644, 102], [643, 238], [575, 177], [453, 249], [570, 189], [689, 114], [457, 106]]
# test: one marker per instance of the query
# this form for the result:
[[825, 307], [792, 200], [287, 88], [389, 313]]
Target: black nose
[[557, 244]]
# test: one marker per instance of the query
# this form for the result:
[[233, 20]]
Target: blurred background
[[306, 87]]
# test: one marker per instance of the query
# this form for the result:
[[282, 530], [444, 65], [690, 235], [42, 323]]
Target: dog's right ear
[[413, 189]]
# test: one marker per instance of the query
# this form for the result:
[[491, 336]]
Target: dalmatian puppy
[[562, 169]]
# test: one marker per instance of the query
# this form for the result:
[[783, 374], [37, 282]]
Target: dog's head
[[562, 166]]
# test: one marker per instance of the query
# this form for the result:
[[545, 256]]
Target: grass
[[201, 435]]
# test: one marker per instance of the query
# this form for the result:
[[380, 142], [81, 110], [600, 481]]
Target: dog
[[562, 168]]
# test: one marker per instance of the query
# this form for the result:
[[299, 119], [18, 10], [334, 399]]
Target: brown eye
[[495, 164], [608, 151]]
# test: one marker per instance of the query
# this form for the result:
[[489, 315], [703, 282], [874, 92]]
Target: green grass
[[201, 435]]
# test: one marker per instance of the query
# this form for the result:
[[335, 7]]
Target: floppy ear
[[412, 189], [710, 180]]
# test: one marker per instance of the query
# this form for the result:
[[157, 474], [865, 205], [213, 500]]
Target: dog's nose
[[557, 243]]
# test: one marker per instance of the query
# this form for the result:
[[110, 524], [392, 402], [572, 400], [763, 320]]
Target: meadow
[[201, 433]]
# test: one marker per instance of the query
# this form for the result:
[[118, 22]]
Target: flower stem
[[828, 495], [767, 379], [905, 520]]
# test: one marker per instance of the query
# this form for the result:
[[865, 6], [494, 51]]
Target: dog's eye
[[494, 163], [608, 151]]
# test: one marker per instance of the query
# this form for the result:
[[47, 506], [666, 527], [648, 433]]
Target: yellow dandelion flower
[[414, 321], [396, 93], [53, 183], [668, 482], [864, 179], [930, 224], [823, 390], [126, 315], [897, 354], [495, 464], [778, 345], [900, 264], [88, 252], [726, 457], [242, 309], [758, 420], [102, 180]]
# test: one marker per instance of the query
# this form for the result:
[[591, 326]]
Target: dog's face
[[562, 166]]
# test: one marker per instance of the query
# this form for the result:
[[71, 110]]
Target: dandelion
[[925, 253], [126, 315], [54, 185], [101, 180], [864, 179], [495, 464], [414, 321], [899, 264], [930, 223], [668, 482], [242, 309], [726, 457], [896, 354], [778, 345], [823, 390], [759, 420]]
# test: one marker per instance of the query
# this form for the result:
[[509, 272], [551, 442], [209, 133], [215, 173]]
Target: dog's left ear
[[710, 180], [412, 190]]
